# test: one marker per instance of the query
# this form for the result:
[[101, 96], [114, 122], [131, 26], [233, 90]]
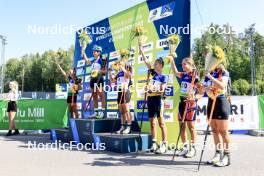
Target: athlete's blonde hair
[[15, 84], [189, 60]]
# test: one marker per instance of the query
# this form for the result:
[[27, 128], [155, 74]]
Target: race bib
[[185, 87], [96, 66], [208, 83], [155, 84], [120, 80]]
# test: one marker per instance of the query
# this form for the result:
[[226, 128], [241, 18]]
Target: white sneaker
[[191, 153], [162, 149], [100, 115], [127, 130], [216, 158], [225, 161], [153, 148], [183, 151], [177, 152], [94, 114], [121, 129]]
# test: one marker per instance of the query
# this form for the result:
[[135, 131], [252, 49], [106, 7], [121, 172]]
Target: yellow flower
[[124, 53], [174, 39], [94, 73], [218, 53], [114, 66], [139, 30]]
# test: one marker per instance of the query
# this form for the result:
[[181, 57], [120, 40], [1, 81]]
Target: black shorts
[[69, 99], [94, 81], [221, 110], [11, 106], [123, 97], [191, 110], [155, 106]]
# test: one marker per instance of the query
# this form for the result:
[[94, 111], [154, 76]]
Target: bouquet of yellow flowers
[[212, 92], [114, 68], [174, 41], [84, 40], [139, 33], [74, 88], [94, 73], [213, 58], [124, 53]]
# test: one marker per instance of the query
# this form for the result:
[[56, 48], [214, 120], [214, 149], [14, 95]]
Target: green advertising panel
[[261, 111], [36, 114]]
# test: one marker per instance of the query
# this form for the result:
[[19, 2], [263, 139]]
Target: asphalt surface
[[18, 159]]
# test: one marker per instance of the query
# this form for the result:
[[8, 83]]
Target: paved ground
[[18, 160]]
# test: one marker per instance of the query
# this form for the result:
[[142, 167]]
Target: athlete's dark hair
[[160, 60], [74, 76]]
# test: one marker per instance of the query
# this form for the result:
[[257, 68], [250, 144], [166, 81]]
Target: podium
[[126, 143], [100, 131]]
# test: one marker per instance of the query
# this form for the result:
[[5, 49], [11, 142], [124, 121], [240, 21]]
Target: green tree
[[241, 87], [237, 52], [260, 87], [38, 72]]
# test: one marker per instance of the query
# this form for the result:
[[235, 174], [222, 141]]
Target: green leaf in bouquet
[[84, 39]]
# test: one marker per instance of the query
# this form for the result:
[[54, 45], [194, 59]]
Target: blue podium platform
[[125, 143], [86, 129], [100, 131], [63, 135]]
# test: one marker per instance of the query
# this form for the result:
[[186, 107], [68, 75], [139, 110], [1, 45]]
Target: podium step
[[256, 133], [63, 135], [85, 130], [125, 143]]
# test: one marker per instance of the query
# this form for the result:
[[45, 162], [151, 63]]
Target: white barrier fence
[[244, 113]]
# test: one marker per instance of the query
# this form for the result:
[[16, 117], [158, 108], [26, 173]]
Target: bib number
[[185, 86]]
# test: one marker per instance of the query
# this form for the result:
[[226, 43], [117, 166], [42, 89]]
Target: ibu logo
[[169, 91], [140, 104]]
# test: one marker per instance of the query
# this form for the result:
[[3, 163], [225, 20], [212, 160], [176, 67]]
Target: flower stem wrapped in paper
[[169, 58], [139, 33], [84, 40], [212, 92], [213, 58], [174, 41]]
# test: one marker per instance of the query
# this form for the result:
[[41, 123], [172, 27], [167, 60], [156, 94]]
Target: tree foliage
[[237, 53], [38, 71]]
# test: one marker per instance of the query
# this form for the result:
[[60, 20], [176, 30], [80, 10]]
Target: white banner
[[244, 113]]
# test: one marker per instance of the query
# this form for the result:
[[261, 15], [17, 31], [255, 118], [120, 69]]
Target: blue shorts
[[155, 106]]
